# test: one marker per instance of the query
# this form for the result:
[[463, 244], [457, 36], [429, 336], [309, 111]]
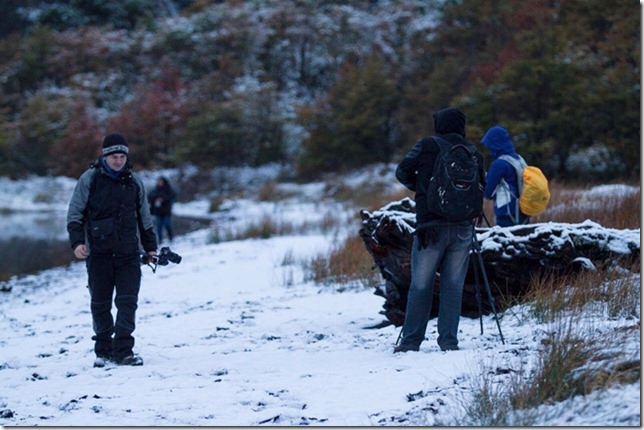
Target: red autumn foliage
[[79, 144], [151, 119]]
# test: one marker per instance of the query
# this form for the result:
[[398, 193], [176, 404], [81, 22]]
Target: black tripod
[[478, 260]]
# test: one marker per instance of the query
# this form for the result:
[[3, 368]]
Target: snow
[[235, 336]]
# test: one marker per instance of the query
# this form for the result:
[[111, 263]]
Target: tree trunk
[[511, 257]]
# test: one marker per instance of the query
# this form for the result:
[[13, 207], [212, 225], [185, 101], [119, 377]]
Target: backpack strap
[[445, 145], [519, 165]]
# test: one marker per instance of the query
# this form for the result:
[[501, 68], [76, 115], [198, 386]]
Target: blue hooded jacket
[[497, 140]]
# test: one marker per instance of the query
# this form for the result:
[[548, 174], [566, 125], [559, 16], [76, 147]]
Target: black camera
[[167, 256], [163, 258]]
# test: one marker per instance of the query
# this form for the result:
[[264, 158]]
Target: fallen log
[[512, 256]]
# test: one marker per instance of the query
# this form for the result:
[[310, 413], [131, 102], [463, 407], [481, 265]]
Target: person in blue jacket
[[501, 181]]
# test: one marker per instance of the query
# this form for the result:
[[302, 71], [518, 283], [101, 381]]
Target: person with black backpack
[[447, 174], [109, 226]]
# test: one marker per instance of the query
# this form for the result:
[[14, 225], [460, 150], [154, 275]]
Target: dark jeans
[[164, 222], [107, 274], [449, 256]]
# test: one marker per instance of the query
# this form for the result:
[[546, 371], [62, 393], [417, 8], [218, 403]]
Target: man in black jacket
[[439, 244], [109, 224]]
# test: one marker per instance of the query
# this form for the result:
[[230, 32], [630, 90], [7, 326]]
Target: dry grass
[[575, 362], [215, 204], [271, 192], [571, 204], [365, 195], [574, 359], [491, 404], [553, 296], [348, 264], [377, 199], [264, 228], [559, 373], [268, 226], [496, 401]]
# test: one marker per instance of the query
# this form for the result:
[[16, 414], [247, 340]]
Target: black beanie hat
[[114, 143]]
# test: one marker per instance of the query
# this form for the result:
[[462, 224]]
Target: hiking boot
[[405, 348], [130, 360], [103, 347], [450, 348], [101, 361]]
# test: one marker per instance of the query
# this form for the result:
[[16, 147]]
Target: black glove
[[426, 236]]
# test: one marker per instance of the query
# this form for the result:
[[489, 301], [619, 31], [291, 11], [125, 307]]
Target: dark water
[[29, 250]]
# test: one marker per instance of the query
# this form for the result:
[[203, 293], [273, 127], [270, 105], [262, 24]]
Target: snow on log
[[512, 256]]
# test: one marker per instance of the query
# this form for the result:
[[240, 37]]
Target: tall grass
[[574, 204], [348, 264], [552, 297], [491, 403], [574, 359], [365, 195], [268, 225], [560, 372]]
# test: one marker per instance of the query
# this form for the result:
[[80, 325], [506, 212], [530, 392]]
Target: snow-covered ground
[[235, 336]]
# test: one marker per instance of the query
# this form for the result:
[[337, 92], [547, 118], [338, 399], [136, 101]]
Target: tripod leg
[[489, 294], [399, 335], [478, 286]]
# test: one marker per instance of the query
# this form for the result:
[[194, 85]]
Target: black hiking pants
[[106, 275]]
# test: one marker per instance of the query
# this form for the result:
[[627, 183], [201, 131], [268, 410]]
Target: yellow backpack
[[533, 186]]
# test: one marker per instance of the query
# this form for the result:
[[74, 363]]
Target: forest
[[320, 85]]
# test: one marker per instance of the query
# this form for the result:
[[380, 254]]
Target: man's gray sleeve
[[76, 210], [145, 221], [146, 217]]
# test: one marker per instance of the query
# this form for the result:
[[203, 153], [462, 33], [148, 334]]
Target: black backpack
[[455, 191]]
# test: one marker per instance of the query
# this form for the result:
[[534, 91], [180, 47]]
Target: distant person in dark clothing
[[502, 183], [161, 199], [109, 224]]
